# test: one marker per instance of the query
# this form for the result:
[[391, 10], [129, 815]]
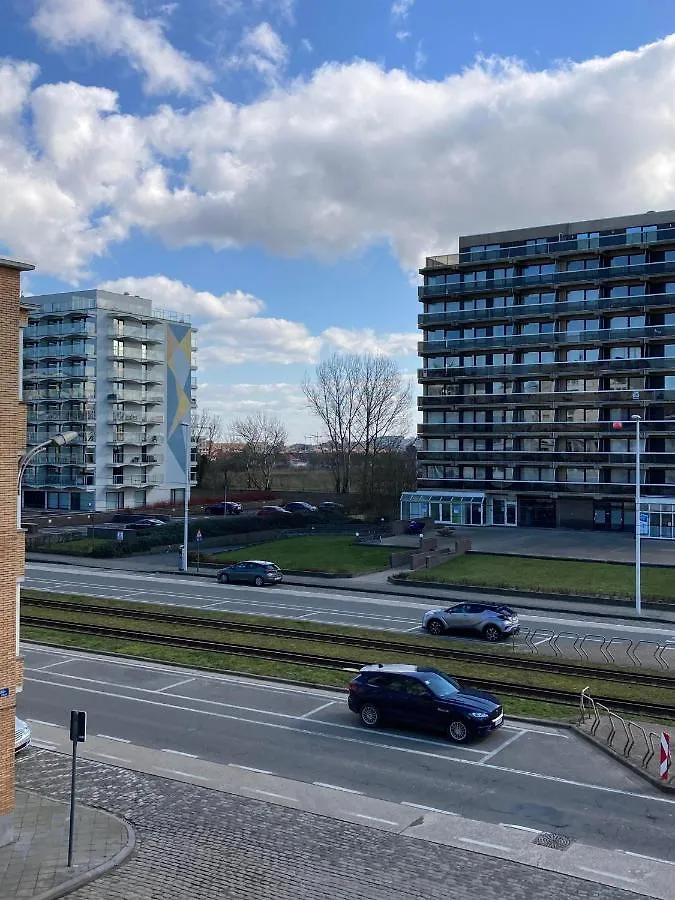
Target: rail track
[[231, 648], [557, 667]]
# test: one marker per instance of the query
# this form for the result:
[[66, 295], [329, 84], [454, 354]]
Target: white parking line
[[176, 684], [115, 758], [337, 787], [668, 862], [434, 809], [507, 742], [272, 794], [52, 665], [48, 724], [250, 769], [318, 709], [520, 827], [179, 753], [109, 737], [184, 774], [606, 874]]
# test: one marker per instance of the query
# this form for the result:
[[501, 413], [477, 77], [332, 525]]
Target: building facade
[[12, 444], [121, 373], [539, 347]]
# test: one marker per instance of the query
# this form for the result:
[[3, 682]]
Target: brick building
[[13, 316]]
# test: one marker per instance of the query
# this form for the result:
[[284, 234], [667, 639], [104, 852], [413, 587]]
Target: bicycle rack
[[594, 638], [656, 654], [651, 751], [617, 641], [563, 634], [629, 746]]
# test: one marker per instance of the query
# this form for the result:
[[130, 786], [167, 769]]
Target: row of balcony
[[549, 400], [563, 246], [54, 459], [136, 333], [559, 308], [52, 373], [62, 329], [129, 396], [549, 488], [552, 339], [64, 416], [140, 418], [87, 481], [600, 275], [540, 429], [41, 352], [595, 368], [32, 395], [543, 458]]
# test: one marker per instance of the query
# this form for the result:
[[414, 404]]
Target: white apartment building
[[121, 373]]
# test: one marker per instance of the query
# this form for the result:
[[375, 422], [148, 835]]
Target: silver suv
[[492, 621]]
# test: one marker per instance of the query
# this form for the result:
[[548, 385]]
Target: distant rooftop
[[15, 264], [75, 301]]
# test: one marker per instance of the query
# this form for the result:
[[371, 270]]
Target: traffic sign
[[198, 536], [664, 764]]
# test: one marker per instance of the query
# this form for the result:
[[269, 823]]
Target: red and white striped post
[[664, 766]]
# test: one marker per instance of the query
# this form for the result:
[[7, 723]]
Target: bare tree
[[333, 396], [363, 402], [264, 438], [384, 416], [206, 429]]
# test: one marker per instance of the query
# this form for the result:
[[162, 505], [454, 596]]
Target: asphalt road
[[339, 606], [525, 776]]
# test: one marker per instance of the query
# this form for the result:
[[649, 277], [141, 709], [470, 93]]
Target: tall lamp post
[[59, 440], [186, 500], [638, 524]]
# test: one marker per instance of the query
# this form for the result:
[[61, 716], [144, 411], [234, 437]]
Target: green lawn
[[319, 553], [77, 547], [557, 576]]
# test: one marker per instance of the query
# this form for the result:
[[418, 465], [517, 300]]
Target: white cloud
[[420, 57], [366, 340], [350, 157], [277, 398], [262, 51], [113, 28], [401, 8], [307, 45], [402, 35]]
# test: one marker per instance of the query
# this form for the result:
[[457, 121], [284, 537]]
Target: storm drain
[[552, 840]]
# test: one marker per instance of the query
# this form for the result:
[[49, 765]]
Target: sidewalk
[[376, 583], [34, 866]]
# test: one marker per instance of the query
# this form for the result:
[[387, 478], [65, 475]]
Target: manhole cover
[[553, 840]]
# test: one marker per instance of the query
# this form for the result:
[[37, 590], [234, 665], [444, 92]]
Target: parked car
[[330, 506], [146, 523], [251, 571], [272, 512], [424, 698], [224, 508], [22, 734], [492, 621], [299, 506]]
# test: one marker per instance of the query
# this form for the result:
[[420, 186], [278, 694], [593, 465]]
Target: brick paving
[[193, 843]]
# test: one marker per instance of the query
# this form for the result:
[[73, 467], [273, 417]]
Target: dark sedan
[[423, 697], [274, 512], [299, 506], [251, 571], [224, 508]]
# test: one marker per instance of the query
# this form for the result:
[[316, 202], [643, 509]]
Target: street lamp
[[638, 524], [186, 500], [58, 440]]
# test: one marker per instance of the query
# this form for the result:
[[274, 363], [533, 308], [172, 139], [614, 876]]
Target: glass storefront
[[445, 507], [661, 513]]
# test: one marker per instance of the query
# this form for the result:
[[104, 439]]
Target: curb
[[78, 881], [665, 787]]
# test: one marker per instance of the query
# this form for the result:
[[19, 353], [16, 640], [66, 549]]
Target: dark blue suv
[[424, 698]]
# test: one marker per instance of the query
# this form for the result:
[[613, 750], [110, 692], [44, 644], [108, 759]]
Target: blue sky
[[279, 168]]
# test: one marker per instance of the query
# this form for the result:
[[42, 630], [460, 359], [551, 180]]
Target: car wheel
[[223, 579], [457, 731], [370, 715], [491, 633], [258, 581], [435, 626]]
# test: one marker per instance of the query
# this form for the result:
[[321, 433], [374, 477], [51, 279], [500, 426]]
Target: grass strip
[[552, 576], [219, 662], [330, 648], [336, 554]]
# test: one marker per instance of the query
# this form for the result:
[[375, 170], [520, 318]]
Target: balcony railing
[[134, 480], [46, 481], [546, 487], [583, 276], [645, 365], [37, 374], [33, 396], [36, 332]]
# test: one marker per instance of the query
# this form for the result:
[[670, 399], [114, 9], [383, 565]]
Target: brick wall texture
[[12, 444]]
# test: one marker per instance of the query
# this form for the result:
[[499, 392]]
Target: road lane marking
[[184, 774], [485, 844], [51, 665], [110, 756], [668, 862], [503, 746], [272, 794], [179, 753], [318, 709], [170, 687], [43, 745], [606, 874], [375, 819], [379, 746], [109, 737], [250, 769], [40, 722], [520, 827], [434, 809], [336, 787]]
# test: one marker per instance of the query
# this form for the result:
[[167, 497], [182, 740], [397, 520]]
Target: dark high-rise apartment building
[[540, 345]]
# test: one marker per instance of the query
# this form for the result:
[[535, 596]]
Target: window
[[538, 356], [537, 298], [571, 325], [641, 234], [633, 259], [501, 273], [538, 269], [588, 294], [580, 265], [578, 414], [118, 347], [626, 322], [622, 383], [627, 290], [588, 239], [625, 352], [577, 474], [583, 354]]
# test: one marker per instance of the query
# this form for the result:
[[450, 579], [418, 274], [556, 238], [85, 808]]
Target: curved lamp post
[[638, 524], [59, 440]]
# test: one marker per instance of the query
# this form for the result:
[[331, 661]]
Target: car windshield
[[439, 684]]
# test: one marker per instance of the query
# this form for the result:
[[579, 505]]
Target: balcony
[[515, 282], [57, 481], [594, 368], [33, 396], [546, 400], [152, 397], [63, 372], [137, 418], [120, 481], [540, 429], [61, 417], [603, 459], [37, 332], [552, 339]]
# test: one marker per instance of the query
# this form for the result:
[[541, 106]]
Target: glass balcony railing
[[36, 332], [134, 480], [515, 282]]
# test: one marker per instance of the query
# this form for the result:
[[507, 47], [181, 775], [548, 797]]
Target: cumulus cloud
[[366, 340], [243, 399], [401, 8], [350, 157], [113, 29], [262, 51]]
